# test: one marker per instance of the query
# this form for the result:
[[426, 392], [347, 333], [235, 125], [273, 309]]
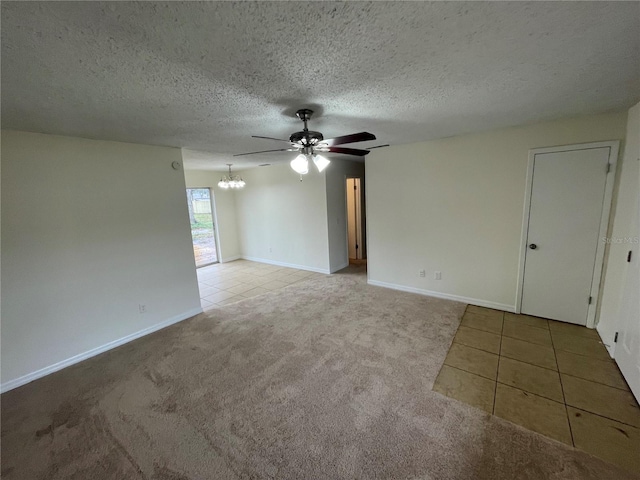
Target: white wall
[[90, 230], [224, 210], [621, 219], [455, 205], [282, 220], [336, 175]]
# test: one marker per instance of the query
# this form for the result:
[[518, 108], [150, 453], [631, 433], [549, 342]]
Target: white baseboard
[[447, 296], [30, 377], [289, 265], [230, 259]]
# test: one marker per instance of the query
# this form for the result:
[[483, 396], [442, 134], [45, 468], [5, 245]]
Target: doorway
[[203, 231], [355, 220], [569, 192]]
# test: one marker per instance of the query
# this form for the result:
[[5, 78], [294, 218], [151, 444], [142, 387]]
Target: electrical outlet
[[270, 250], [142, 308], [422, 273], [437, 275]]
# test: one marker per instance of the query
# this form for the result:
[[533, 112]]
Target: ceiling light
[[231, 181], [321, 162], [300, 164]]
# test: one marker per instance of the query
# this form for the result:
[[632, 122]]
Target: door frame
[[359, 214], [596, 280], [214, 218]]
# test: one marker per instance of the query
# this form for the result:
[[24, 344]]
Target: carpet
[[328, 378]]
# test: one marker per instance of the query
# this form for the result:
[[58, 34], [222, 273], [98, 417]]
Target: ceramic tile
[[274, 285], [255, 292], [526, 333], [223, 284], [528, 320], [563, 328], [482, 322], [610, 440], [472, 337], [234, 299], [533, 412], [219, 296], [473, 360], [487, 312], [601, 399], [535, 354], [580, 345], [206, 290], [589, 368], [466, 387], [530, 378], [240, 289]]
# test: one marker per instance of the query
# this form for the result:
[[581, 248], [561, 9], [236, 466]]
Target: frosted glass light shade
[[300, 164], [321, 162]]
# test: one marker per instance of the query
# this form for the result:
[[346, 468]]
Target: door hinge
[[615, 338], [608, 167], [629, 256], [355, 187], [590, 299]]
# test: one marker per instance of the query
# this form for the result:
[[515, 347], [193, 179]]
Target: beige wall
[[282, 220], [455, 205], [224, 210], [626, 200], [90, 230]]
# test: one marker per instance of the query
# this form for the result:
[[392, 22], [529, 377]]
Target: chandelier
[[231, 181]]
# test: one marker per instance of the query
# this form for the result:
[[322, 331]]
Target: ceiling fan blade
[[270, 138], [266, 151], [379, 146], [353, 138], [348, 151]]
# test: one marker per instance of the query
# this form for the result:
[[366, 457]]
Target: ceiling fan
[[310, 144]]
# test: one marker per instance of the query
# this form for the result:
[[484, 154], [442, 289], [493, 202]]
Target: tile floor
[[554, 378], [224, 283]]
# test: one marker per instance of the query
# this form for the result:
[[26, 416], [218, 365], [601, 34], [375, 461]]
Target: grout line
[[564, 399], [606, 418], [593, 381], [495, 390]]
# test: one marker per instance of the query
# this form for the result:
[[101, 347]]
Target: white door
[[627, 353], [566, 208]]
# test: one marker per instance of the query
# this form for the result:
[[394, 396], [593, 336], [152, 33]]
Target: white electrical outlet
[[438, 275], [142, 308], [270, 250], [422, 273]]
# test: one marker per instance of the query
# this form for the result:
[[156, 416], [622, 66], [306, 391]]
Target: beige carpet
[[325, 379]]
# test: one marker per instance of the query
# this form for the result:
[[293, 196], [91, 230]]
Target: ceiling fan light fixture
[[321, 162], [300, 164]]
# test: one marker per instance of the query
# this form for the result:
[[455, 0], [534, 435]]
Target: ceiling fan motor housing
[[306, 137]]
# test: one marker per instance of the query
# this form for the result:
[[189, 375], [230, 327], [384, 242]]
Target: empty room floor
[[224, 283], [554, 378], [328, 378]]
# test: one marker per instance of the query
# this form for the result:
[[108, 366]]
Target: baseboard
[[289, 265], [30, 377], [340, 267], [230, 259], [447, 296]]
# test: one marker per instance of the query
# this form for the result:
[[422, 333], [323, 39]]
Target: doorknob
[[533, 246]]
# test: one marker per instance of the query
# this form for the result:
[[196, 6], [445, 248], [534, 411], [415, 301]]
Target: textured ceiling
[[206, 76]]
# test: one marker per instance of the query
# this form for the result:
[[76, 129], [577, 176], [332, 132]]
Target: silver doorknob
[[533, 246]]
